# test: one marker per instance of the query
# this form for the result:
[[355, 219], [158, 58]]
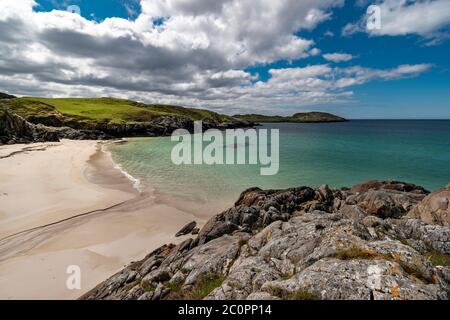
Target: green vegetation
[[103, 110], [297, 295], [308, 117], [204, 286], [276, 291], [300, 295], [438, 259], [174, 286], [148, 287]]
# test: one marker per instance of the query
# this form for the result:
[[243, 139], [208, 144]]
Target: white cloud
[[401, 17], [426, 18], [338, 57], [358, 75], [196, 57]]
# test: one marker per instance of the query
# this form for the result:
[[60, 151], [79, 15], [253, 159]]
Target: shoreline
[[81, 209]]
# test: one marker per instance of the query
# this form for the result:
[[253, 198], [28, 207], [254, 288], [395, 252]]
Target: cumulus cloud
[[338, 57], [426, 18], [196, 54]]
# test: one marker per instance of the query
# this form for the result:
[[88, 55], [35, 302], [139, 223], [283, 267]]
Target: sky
[[235, 56]]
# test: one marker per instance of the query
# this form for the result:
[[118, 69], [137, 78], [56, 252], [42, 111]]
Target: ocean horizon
[[337, 154]]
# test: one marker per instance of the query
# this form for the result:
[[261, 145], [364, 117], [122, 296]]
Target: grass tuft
[[205, 286], [438, 259], [297, 295]]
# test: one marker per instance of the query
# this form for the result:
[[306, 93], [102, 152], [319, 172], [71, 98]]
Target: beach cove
[[67, 203]]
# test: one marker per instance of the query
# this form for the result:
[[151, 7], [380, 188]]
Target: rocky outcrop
[[53, 126], [302, 243], [6, 96], [57, 126], [160, 126], [15, 129], [72, 134], [186, 229], [435, 208]]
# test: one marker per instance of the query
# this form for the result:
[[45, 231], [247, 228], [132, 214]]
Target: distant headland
[[306, 117]]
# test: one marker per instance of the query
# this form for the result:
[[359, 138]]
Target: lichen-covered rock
[[333, 279], [301, 243], [434, 209]]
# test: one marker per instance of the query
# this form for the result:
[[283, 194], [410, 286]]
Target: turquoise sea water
[[339, 154]]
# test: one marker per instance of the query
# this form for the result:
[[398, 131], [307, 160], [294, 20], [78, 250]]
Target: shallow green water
[[339, 154]]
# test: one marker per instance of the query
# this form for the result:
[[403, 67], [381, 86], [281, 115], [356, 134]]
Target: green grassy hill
[[308, 117], [101, 110]]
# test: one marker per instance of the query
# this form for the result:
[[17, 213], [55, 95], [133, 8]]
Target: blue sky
[[226, 84]]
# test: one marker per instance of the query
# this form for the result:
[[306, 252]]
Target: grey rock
[[261, 296], [279, 244], [186, 229], [15, 129], [434, 209], [325, 194], [156, 276]]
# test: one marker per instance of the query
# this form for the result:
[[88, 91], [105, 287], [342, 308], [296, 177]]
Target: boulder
[[156, 276], [186, 229], [434, 209], [325, 194]]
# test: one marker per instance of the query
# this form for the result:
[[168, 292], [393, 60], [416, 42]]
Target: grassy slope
[[104, 110], [298, 117]]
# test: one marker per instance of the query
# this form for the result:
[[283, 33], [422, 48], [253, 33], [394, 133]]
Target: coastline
[[68, 203]]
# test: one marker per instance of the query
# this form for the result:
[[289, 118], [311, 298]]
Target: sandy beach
[[67, 203]]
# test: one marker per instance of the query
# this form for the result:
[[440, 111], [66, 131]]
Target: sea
[[337, 154]]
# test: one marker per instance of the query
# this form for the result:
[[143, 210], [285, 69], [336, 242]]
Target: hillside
[[103, 118], [307, 117], [103, 110]]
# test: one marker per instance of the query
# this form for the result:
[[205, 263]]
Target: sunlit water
[[339, 154]]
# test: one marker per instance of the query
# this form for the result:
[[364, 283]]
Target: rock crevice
[[367, 242]]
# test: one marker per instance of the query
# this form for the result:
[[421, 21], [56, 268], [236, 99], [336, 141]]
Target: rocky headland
[[303, 117], [375, 241], [26, 120]]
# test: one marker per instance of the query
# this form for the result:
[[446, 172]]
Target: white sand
[[65, 204]]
